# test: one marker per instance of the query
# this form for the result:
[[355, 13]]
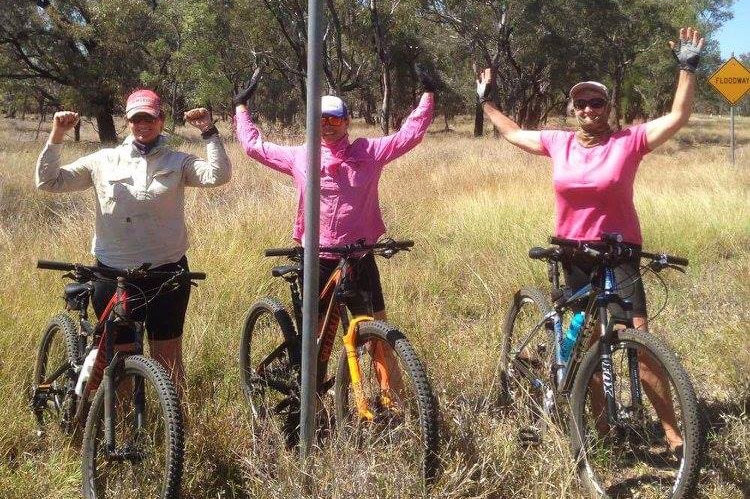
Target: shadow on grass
[[717, 419]]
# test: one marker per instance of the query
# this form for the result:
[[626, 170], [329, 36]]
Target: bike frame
[[600, 293], [332, 298]]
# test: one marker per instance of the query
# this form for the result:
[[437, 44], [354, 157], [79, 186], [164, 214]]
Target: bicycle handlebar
[[388, 245], [50, 265], [612, 241], [110, 272]]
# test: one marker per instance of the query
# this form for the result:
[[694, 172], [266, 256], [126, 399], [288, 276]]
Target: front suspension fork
[[355, 373], [605, 361]]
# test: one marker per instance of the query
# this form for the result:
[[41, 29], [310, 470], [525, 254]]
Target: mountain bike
[[133, 436], [381, 390], [617, 437]]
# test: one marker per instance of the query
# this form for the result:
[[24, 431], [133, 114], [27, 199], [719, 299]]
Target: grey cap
[[589, 85]]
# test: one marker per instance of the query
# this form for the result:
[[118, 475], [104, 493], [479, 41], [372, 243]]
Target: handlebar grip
[[565, 242], [406, 243], [281, 251], [50, 265], [677, 260], [198, 276]]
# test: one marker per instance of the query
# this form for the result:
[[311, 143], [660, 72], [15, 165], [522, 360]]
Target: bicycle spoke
[[632, 457]]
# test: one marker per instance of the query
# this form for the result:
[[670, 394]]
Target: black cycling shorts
[[164, 317], [365, 272], [578, 267]]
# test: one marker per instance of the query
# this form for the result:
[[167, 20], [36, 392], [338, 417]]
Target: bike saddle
[[77, 295], [283, 270]]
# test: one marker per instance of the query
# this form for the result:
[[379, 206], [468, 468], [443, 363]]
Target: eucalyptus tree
[[96, 49]]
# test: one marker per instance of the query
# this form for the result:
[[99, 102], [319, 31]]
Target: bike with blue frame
[[617, 437]]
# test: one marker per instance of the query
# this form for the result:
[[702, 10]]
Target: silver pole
[[731, 120], [312, 229]]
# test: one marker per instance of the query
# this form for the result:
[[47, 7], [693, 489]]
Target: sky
[[734, 36]]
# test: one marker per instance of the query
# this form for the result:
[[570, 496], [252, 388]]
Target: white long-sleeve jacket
[[140, 215]]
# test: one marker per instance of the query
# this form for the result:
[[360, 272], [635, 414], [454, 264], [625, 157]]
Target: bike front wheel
[[53, 391], [269, 369], [395, 385], [147, 457], [632, 457], [527, 353]]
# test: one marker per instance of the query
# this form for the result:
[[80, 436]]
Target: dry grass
[[474, 206]]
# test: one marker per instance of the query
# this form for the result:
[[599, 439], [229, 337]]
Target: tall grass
[[474, 207]]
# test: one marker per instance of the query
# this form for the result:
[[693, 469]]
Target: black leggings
[[369, 299], [578, 269], [164, 316]]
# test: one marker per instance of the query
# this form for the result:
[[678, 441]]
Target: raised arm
[[528, 140], [216, 169], [687, 52], [386, 149], [50, 176], [280, 158]]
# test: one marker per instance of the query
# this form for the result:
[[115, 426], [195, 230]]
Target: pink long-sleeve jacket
[[349, 174]]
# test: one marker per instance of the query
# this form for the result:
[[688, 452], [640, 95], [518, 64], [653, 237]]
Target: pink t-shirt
[[594, 186]]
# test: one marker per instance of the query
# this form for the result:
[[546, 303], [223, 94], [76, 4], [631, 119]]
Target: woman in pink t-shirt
[[593, 171]]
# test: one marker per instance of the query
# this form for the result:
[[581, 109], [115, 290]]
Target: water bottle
[[571, 335], [88, 366]]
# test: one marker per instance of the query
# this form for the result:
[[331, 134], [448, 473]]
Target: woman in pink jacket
[[349, 175]]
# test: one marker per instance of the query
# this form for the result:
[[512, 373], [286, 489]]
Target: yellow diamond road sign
[[732, 80]]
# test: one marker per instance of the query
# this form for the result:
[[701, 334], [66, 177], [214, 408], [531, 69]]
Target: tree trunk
[[385, 112], [615, 116], [106, 125], [478, 120]]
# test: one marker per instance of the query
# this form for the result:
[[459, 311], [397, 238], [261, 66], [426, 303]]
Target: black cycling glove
[[430, 81], [687, 55], [244, 95]]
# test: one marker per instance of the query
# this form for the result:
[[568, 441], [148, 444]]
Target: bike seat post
[[553, 273], [294, 289]]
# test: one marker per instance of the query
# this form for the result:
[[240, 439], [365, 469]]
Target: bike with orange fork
[[382, 394]]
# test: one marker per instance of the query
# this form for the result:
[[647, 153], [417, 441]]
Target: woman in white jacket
[[140, 190]]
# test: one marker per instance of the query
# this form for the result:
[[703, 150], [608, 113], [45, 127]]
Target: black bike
[[133, 438], [381, 389], [618, 439]]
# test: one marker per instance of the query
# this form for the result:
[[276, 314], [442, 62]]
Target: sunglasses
[[596, 103], [142, 118], [332, 120]]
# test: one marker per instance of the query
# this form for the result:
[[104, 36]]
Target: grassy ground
[[474, 207]]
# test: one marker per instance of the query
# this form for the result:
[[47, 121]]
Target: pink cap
[[143, 101]]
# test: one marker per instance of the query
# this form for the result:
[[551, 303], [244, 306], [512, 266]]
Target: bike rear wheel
[[527, 353], [53, 390], [406, 419], [269, 369], [149, 448], [632, 458]]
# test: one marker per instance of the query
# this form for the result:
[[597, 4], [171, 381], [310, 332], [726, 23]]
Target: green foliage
[[89, 54]]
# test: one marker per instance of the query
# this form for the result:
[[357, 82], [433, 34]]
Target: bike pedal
[[529, 436]]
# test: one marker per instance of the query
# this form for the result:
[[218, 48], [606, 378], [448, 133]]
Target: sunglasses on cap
[[595, 103], [332, 120], [142, 118]]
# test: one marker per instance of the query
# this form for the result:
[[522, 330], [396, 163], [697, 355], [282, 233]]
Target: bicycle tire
[[269, 368], [59, 411], [164, 429], [526, 385], [637, 444], [416, 412]]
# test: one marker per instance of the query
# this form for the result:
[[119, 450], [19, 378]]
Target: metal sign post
[[311, 242], [731, 140]]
